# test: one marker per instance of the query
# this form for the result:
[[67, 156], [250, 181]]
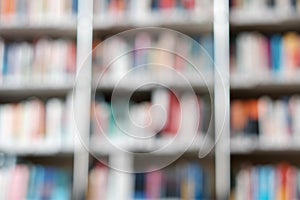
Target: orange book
[[239, 117], [8, 10]]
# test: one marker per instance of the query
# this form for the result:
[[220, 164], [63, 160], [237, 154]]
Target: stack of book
[[142, 11], [34, 182], [27, 12], [257, 5], [45, 60], [271, 120], [268, 182], [165, 116], [185, 181], [259, 56], [34, 123], [151, 54]]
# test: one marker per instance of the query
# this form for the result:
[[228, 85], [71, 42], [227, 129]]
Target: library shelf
[[67, 29], [149, 83], [163, 146], [264, 18], [45, 89], [264, 84], [185, 23], [246, 146], [37, 150]]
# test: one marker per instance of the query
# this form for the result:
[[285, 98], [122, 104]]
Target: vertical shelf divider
[[221, 98], [82, 97]]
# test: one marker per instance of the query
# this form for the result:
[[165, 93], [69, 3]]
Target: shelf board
[[17, 30], [104, 148], [134, 83], [184, 23], [264, 19], [36, 150], [241, 146], [44, 89], [263, 85]]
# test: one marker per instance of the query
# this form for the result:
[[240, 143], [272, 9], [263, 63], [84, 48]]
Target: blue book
[[276, 53], [62, 189], [263, 193], [271, 182], [32, 183], [75, 6], [5, 62], [49, 183], [140, 181]]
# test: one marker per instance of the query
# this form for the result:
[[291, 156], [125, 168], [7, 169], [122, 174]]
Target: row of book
[[22, 181], [268, 182], [184, 181], [45, 60], [257, 55], [41, 12], [271, 120], [279, 5], [164, 116], [137, 10], [152, 52], [32, 123]]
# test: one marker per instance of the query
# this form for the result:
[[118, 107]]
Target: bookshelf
[[263, 156], [81, 26], [36, 138]]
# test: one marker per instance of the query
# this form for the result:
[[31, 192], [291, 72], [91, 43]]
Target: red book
[[154, 182], [282, 181], [167, 4], [188, 4], [71, 58], [174, 116]]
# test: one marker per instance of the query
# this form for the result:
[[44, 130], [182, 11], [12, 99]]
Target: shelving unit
[[83, 29], [249, 150]]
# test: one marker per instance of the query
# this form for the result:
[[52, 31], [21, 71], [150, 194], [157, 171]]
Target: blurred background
[[88, 111]]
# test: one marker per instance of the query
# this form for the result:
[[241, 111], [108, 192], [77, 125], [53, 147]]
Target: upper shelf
[[264, 20], [200, 83], [263, 85], [184, 23], [154, 146], [23, 90], [240, 146], [22, 30]]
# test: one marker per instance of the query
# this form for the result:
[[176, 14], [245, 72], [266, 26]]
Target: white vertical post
[[221, 104], [82, 96]]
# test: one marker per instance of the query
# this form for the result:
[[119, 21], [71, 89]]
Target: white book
[[8, 125], [295, 114], [2, 49], [120, 180], [54, 112], [280, 124], [69, 125], [190, 117], [98, 180], [160, 109], [27, 123], [140, 10], [116, 58], [265, 113]]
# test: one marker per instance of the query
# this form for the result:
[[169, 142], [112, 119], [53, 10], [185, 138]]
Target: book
[[34, 182], [269, 120], [35, 123], [267, 182], [24, 12], [259, 56], [45, 60]]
